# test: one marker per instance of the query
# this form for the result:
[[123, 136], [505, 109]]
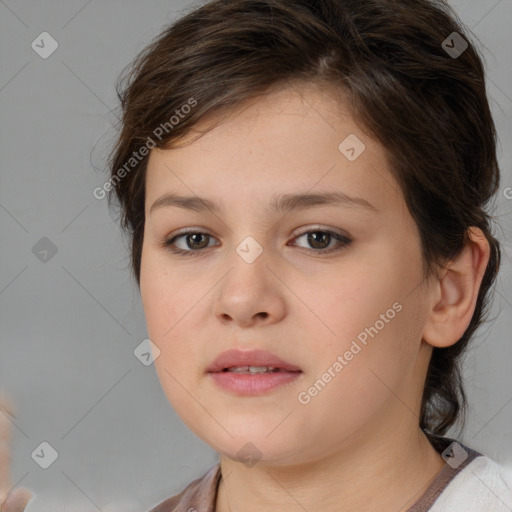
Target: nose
[[250, 294]]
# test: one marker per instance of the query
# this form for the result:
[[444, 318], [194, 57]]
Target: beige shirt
[[201, 494]]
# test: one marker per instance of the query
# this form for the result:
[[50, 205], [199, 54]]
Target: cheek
[[168, 326], [169, 308], [177, 363], [162, 295], [357, 374], [350, 306], [370, 319]]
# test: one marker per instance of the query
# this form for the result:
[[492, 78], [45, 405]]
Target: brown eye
[[320, 240], [194, 242]]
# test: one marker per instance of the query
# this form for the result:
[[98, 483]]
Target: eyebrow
[[277, 204]]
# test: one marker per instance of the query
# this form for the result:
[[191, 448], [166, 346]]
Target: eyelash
[[168, 244]]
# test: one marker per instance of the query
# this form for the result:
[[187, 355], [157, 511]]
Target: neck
[[365, 474]]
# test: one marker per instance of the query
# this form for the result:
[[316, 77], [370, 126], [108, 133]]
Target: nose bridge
[[249, 235], [249, 249], [248, 230], [247, 266]]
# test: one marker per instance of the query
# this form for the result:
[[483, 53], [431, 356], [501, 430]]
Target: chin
[[252, 444]]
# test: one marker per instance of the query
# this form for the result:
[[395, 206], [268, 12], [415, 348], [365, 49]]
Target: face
[[333, 288]]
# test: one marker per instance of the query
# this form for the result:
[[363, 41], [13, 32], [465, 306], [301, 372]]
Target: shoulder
[[482, 485], [199, 495]]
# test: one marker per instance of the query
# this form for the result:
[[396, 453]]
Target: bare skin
[[356, 445], [11, 500]]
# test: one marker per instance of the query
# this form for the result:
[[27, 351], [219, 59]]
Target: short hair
[[391, 61]]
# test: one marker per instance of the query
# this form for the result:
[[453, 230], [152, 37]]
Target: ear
[[456, 292]]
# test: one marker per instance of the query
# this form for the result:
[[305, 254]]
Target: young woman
[[304, 186]]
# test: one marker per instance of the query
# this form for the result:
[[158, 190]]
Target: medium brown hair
[[426, 107]]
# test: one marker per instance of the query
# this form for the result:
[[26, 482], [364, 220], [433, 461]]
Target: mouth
[[254, 372], [250, 361]]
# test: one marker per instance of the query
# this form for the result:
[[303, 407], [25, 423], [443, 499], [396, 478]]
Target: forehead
[[291, 140]]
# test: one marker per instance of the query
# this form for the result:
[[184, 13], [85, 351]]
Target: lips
[[234, 358]]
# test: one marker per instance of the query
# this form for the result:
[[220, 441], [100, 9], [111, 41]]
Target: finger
[[5, 440], [6, 403], [5, 459], [16, 500]]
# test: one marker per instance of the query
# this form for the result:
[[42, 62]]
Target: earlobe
[[457, 291]]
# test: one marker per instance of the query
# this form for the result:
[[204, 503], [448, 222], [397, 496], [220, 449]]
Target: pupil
[[312, 238], [193, 237]]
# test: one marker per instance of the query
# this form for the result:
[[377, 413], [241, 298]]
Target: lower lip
[[245, 384]]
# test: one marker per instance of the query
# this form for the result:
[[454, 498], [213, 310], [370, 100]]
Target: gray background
[[69, 326]]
